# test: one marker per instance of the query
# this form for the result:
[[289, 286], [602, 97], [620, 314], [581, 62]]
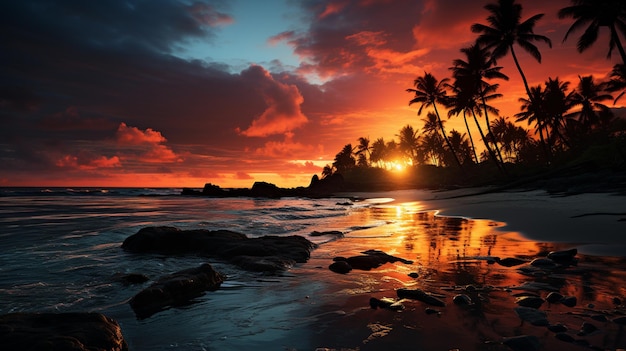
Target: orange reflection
[[455, 255]]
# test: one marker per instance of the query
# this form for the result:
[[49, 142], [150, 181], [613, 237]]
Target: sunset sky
[[181, 93]]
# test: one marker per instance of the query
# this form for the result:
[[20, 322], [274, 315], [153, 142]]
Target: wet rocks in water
[[341, 267], [268, 254], [429, 310], [569, 301], [587, 328], [60, 331], [620, 320], [564, 256], [522, 343], [462, 299], [557, 328], [386, 303], [510, 261], [176, 289], [543, 263], [529, 301], [554, 297], [369, 260], [336, 233], [414, 275], [420, 295], [532, 315], [564, 337]]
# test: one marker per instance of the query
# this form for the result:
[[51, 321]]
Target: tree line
[[564, 120]]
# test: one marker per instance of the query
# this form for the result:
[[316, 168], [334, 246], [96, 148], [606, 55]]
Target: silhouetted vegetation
[[571, 127]]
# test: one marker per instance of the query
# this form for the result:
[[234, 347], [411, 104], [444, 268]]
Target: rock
[[329, 232], [569, 301], [543, 263], [557, 328], [462, 299], [617, 301], [510, 261], [620, 320], [268, 253], [420, 295], [529, 301], [564, 337], [522, 343], [414, 275], [60, 331], [554, 297], [341, 267], [587, 328], [429, 310], [371, 259], [386, 303], [176, 289], [532, 315], [564, 256], [599, 318]]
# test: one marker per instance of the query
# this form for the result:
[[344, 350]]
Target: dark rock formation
[[265, 254], [420, 295], [324, 187], [130, 278], [60, 331], [176, 289], [370, 260]]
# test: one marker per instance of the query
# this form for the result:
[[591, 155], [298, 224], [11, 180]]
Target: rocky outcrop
[[60, 331], [268, 254], [369, 260], [317, 188], [176, 289]]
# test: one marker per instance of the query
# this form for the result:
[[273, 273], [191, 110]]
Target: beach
[[61, 253]]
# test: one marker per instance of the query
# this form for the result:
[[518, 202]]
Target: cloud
[[86, 163], [133, 136], [283, 113], [243, 176]]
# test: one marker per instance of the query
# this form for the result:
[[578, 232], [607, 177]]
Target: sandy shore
[[455, 255], [596, 222]]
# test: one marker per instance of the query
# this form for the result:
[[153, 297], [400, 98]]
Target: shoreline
[[595, 222]]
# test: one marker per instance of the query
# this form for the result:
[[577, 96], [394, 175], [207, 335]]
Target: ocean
[[61, 252]]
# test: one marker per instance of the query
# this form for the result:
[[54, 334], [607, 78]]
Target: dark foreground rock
[[369, 260], [60, 331], [269, 254], [176, 289]]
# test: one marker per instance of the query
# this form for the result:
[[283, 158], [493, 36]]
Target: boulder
[[266, 254], [176, 289], [370, 260], [60, 331]]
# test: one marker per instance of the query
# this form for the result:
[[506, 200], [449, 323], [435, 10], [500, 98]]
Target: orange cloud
[[159, 154], [73, 162], [332, 8], [283, 113], [243, 176], [134, 136]]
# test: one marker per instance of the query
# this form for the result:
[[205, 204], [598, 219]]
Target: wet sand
[[455, 255]]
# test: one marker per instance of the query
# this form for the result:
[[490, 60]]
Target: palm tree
[[532, 111], [409, 143], [344, 161], [506, 29], [556, 102], [430, 92], [595, 14], [473, 88], [461, 101], [589, 96], [378, 152], [461, 145], [363, 152], [617, 81]]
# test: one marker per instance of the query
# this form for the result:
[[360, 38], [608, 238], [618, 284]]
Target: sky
[[177, 93]]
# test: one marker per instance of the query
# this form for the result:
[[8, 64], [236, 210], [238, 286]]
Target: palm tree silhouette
[[589, 96], [557, 101], [595, 14], [470, 84], [378, 151], [532, 111], [430, 92], [409, 143], [363, 152], [505, 30]]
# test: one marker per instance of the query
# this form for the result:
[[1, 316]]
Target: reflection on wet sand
[[502, 291]]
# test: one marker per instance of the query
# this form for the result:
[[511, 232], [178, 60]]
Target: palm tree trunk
[[620, 48], [495, 143], [489, 150], [470, 136], [445, 137], [519, 68]]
